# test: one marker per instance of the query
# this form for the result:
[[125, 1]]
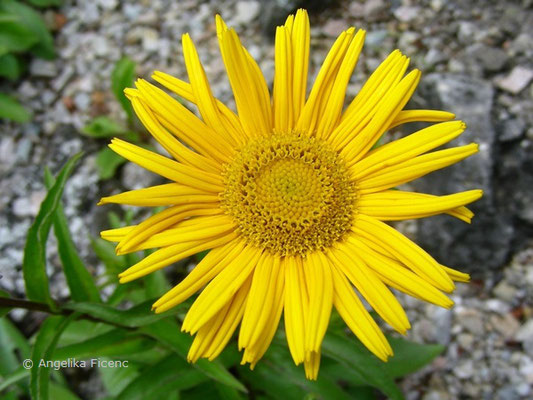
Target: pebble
[[373, 10], [513, 129], [505, 291], [43, 69], [525, 332], [246, 11], [150, 40], [464, 370], [28, 207], [406, 13], [516, 81]]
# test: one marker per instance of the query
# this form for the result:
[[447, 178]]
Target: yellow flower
[[290, 195]]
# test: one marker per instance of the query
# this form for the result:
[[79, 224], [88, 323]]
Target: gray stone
[[374, 10], [406, 13], [491, 59], [375, 38], [525, 332], [28, 206], [517, 80], [42, 68], [464, 370], [150, 40], [246, 11], [512, 129], [485, 244], [505, 292]]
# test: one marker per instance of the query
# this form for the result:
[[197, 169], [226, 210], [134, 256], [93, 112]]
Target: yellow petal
[[394, 205], [214, 262], [163, 195], [360, 322], [221, 289], [409, 253], [406, 116], [371, 287]]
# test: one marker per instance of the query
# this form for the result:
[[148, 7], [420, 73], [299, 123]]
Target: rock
[[246, 11], [491, 59], [525, 332], [406, 13], [464, 370], [512, 129], [506, 325], [82, 101], [66, 75], [465, 340], [43, 69], [515, 185], [150, 40], [505, 292], [28, 206], [375, 38], [334, 27], [472, 320], [374, 10], [516, 81], [134, 177], [484, 245]]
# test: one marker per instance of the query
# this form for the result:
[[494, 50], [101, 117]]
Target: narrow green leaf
[[14, 36], [155, 284], [34, 261], [155, 381], [9, 67], [43, 349], [60, 392], [102, 127], [121, 78], [13, 347], [107, 162], [136, 316], [359, 361], [14, 377], [4, 310], [105, 251], [79, 280], [11, 109], [33, 22], [45, 3], [168, 333], [114, 343], [116, 379], [410, 356]]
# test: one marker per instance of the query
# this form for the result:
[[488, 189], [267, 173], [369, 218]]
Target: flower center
[[289, 194]]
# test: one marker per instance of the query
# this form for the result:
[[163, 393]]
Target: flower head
[[290, 196]]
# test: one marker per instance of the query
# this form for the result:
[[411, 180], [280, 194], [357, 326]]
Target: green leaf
[[79, 280], [45, 3], [114, 343], [155, 284], [121, 78], [43, 349], [34, 261], [14, 377], [105, 251], [102, 127], [139, 315], [9, 67], [4, 310], [14, 36], [60, 392], [156, 381], [278, 363], [409, 356], [116, 379], [11, 109], [13, 347], [167, 333], [358, 361], [107, 162], [32, 21]]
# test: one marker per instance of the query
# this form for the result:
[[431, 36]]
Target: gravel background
[[476, 59]]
